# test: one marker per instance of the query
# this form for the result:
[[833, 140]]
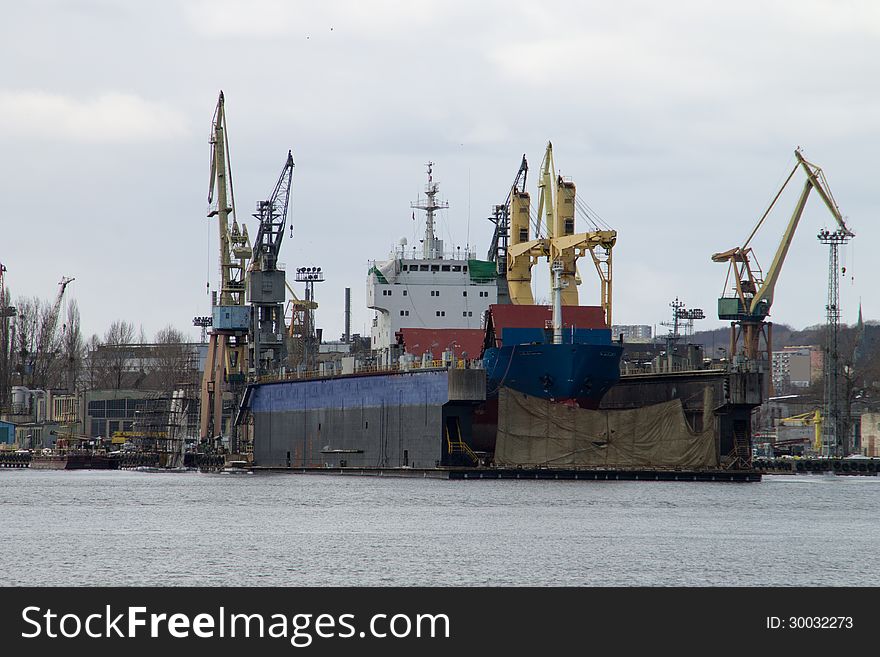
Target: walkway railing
[[370, 369]]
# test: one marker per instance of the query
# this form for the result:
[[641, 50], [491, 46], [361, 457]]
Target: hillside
[[866, 359]]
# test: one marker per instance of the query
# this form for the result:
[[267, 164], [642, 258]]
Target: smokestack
[[347, 337]]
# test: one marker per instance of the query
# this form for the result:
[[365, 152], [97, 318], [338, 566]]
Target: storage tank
[[20, 396]]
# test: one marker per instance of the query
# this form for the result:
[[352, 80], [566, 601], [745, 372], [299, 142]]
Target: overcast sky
[[676, 120]]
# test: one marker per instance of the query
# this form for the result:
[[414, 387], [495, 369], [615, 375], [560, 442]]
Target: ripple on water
[[127, 528]]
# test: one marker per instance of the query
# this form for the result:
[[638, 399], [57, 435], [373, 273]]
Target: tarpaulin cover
[[536, 432]]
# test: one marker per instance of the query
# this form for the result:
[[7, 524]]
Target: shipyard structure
[[463, 373], [466, 374]]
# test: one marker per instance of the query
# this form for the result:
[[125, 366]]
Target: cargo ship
[[443, 347]]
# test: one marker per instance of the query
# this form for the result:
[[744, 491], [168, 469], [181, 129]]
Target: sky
[[677, 121]]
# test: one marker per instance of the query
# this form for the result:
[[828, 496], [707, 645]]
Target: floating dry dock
[[682, 427]]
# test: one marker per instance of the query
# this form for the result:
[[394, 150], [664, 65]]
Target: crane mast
[[226, 364]]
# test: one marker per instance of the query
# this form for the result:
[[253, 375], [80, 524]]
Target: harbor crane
[[266, 283], [747, 302], [556, 207], [226, 363]]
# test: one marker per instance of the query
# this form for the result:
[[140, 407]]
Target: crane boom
[[502, 215], [272, 214], [234, 242], [815, 180]]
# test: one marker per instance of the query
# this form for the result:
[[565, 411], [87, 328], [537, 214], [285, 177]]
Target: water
[[135, 528]]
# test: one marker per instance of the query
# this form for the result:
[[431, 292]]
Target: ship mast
[[557, 269], [432, 247]]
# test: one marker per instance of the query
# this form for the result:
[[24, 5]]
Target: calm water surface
[[134, 528]]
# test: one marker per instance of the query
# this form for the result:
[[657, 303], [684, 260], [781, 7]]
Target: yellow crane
[[747, 302], [226, 364], [808, 419], [556, 204]]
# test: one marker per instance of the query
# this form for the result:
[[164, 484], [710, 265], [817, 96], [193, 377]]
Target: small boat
[[237, 467]]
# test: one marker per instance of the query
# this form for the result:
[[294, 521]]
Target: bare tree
[[172, 359], [25, 339], [72, 348], [116, 356], [95, 371]]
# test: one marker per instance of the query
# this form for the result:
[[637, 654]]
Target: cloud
[[108, 118], [277, 18]]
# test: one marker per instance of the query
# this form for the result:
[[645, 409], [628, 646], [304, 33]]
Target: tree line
[[40, 350]]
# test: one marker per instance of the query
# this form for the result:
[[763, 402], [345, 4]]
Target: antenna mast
[[432, 247]]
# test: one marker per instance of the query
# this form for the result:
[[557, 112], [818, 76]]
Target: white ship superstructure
[[428, 290]]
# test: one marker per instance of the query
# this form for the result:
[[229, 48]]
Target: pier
[[562, 474], [858, 467]]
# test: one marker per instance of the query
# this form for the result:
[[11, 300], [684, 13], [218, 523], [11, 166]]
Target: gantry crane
[[226, 364], [562, 246], [266, 283], [808, 419], [747, 303]]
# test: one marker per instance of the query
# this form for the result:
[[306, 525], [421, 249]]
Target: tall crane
[[556, 206], [266, 283], [226, 364], [43, 355], [747, 303]]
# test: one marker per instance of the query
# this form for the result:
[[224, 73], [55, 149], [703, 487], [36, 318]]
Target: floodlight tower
[[310, 337], [6, 311], [833, 427]]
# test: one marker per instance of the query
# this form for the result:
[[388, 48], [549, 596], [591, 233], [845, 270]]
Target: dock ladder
[[458, 446]]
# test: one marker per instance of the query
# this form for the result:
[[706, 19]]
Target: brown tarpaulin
[[535, 432]]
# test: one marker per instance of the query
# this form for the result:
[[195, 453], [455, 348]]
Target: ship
[[449, 333], [72, 459]]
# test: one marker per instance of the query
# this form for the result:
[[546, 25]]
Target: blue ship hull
[[566, 373]]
